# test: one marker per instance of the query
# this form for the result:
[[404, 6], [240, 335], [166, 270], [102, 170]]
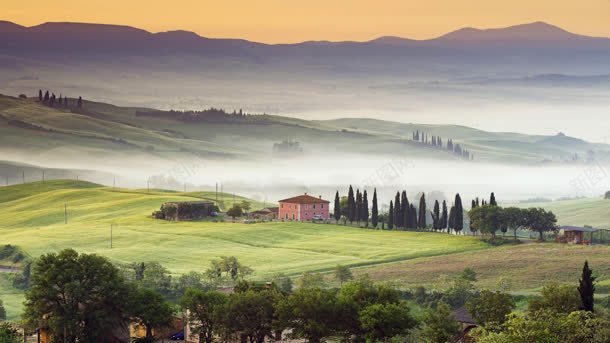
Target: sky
[[287, 21]]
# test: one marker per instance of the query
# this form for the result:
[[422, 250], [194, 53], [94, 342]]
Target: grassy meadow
[[33, 218]]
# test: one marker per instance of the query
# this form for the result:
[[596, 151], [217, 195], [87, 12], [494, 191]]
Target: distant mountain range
[[481, 73]]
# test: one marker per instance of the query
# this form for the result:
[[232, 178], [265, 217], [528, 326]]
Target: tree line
[[401, 214], [208, 115], [437, 142], [488, 218], [51, 100], [85, 298]]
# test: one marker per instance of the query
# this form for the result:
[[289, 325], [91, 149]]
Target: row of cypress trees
[[401, 214], [437, 141], [51, 100]]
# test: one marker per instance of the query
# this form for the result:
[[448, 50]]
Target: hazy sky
[[277, 21]]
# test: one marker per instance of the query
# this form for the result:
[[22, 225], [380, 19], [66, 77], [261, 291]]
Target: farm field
[[33, 219], [578, 212]]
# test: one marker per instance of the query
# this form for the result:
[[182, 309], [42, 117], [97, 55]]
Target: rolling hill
[[33, 220], [101, 131]]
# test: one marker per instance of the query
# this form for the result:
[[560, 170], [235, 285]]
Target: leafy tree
[[439, 324], [149, 309], [229, 267], [311, 280], [343, 274], [383, 321], [487, 219], [374, 210], [586, 288], [8, 334], [459, 214], [190, 280], [556, 297], [157, 277], [549, 327], [235, 211], [245, 206], [337, 209], [490, 308], [421, 223], [283, 282], [2, 311], [444, 216], [539, 220], [391, 216], [468, 274], [312, 313], [204, 309], [515, 218], [250, 313], [80, 298]]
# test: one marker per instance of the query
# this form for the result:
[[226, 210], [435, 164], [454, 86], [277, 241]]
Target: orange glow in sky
[[284, 21]]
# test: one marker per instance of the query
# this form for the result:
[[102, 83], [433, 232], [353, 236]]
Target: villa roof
[[578, 228], [461, 315], [305, 199]]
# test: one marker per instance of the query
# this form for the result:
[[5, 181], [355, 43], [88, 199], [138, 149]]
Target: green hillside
[[33, 219], [578, 212], [102, 129]]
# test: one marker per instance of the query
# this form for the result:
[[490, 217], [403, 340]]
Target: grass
[[32, 217], [108, 129], [525, 267], [578, 212]]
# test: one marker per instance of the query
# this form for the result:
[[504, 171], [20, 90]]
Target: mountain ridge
[[534, 31]]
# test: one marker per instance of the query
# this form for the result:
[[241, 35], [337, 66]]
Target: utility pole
[[65, 213], [233, 199], [43, 176], [111, 227], [216, 192], [23, 176], [113, 182], [147, 186]]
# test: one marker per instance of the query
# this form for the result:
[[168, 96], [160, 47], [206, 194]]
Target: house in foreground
[[304, 208]]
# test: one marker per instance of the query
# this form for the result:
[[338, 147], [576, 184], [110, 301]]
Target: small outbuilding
[[185, 210], [576, 234]]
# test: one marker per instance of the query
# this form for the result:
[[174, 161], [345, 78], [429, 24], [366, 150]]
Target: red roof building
[[304, 208]]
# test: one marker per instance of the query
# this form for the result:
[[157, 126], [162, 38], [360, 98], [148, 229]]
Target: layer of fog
[[272, 179]]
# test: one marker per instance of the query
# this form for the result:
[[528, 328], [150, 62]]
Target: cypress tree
[[365, 208], [351, 205], [492, 200], [65, 101], [404, 209], [337, 210], [79, 104], [412, 222], [375, 210], [46, 97], [391, 216], [397, 214], [40, 95], [444, 216], [473, 204], [459, 213], [437, 216], [358, 206], [586, 288], [421, 222], [451, 224]]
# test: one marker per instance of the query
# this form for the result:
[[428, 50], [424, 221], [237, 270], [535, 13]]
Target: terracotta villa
[[304, 208]]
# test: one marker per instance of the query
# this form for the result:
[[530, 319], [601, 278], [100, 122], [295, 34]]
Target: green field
[[32, 217], [578, 212]]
